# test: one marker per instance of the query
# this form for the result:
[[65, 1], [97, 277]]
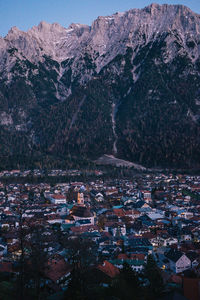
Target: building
[[82, 213], [57, 199], [178, 262], [80, 199]]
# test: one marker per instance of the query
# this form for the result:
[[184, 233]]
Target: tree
[[130, 276], [101, 222], [153, 274], [31, 195], [81, 254], [126, 286], [37, 259], [21, 278], [32, 261]]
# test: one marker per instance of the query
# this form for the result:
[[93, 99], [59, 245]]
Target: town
[[50, 230]]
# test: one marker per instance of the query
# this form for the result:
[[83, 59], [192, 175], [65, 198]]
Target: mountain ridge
[[137, 71]]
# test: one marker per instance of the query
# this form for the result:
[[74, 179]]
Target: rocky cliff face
[[127, 85]]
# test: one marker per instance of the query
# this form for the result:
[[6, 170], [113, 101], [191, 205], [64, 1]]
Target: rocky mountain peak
[[107, 35], [46, 27], [14, 33], [14, 29]]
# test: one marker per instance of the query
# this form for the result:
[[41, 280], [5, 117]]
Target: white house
[[57, 199], [178, 262], [170, 241], [136, 265]]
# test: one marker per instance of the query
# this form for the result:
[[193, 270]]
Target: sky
[[26, 13]]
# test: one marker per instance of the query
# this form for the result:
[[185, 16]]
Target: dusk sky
[[26, 13]]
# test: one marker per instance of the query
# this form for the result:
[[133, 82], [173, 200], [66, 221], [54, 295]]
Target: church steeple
[[80, 198]]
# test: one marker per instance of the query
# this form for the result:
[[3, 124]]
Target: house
[[57, 199], [54, 218], [102, 275], [57, 270], [194, 257], [136, 265], [141, 204], [118, 230], [146, 196], [109, 269], [178, 262], [111, 191], [132, 213], [168, 241], [140, 243]]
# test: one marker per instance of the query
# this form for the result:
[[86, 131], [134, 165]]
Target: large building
[[82, 213], [57, 199]]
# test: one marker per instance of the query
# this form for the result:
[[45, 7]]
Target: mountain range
[[126, 86]]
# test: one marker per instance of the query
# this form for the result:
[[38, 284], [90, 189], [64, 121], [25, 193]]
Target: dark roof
[[139, 242], [144, 218], [81, 211], [192, 255], [93, 192], [140, 250], [139, 204], [174, 255]]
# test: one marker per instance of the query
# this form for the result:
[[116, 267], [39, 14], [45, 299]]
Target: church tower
[[80, 198]]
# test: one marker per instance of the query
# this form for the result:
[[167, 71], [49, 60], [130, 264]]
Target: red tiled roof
[[122, 256], [81, 229], [57, 268], [109, 269], [136, 212], [58, 196], [139, 256], [128, 212], [148, 235], [119, 212], [132, 212]]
